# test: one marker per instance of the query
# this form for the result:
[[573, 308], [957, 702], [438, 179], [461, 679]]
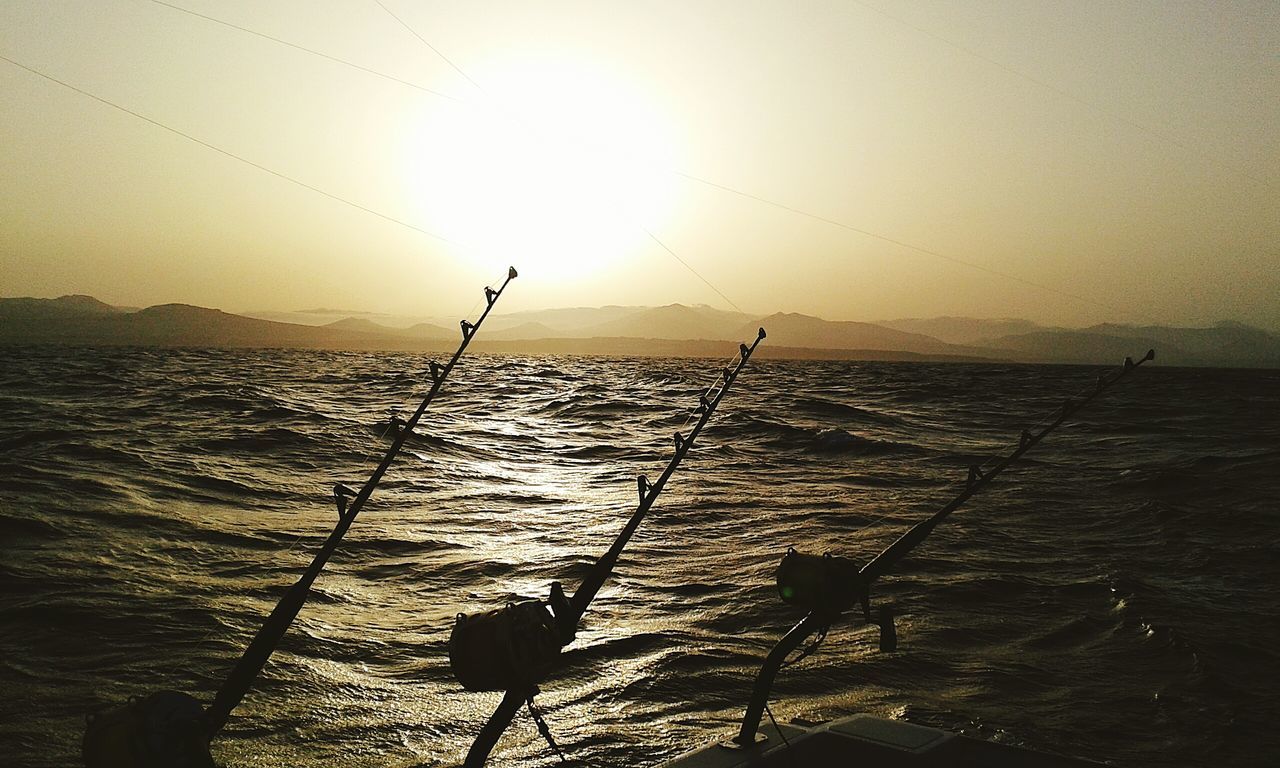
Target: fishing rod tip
[[760, 334], [512, 274], [1151, 355]]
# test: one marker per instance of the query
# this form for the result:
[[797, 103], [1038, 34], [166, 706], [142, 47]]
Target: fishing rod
[[827, 586], [170, 729], [513, 648]]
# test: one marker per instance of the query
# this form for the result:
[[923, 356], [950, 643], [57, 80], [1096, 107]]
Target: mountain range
[[672, 330]]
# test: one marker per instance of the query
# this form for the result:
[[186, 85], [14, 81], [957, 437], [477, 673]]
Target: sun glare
[[555, 167]]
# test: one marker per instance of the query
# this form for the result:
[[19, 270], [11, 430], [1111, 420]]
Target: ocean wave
[[840, 441], [814, 439], [13, 527], [833, 409], [392, 547], [271, 439], [150, 521], [37, 437], [1077, 632]]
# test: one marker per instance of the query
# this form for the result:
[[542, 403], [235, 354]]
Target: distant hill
[[358, 325], [796, 330], [26, 308], [673, 330], [323, 316], [427, 331], [674, 321], [167, 325], [568, 319], [523, 332], [420, 331], [1078, 347], [717, 350], [963, 330], [562, 321], [1223, 345]]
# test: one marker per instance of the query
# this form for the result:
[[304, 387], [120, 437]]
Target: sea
[[1112, 596]]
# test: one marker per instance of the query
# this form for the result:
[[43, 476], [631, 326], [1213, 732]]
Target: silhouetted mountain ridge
[[26, 308], [675, 329], [796, 330], [674, 321], [964, 330]]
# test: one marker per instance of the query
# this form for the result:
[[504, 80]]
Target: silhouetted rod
[[246, 670], [572, 612], [883, 562], [496, 725], [603, 567], [899, 549]]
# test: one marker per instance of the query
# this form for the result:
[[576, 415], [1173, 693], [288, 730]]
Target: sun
[[555, 166]]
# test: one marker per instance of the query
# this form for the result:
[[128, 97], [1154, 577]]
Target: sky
[[1068, 163]]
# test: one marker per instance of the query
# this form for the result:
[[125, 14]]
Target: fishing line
[[278, 555], [515, 118], [337, 60], [394, 411], [689, 267], [434, 50], [234, 156], [311, 51], [512, 649], [998, 456], [424, 89], [708, 391], [1104, 111], [900, 243], [253, 164], [809, 650], [794, 210], [408, 399], [1049, 416], [433, 235], [778, 729], [681, 174]]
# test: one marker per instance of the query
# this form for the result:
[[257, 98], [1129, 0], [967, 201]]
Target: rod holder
[[888, 632], [749, 733], [808, 570]]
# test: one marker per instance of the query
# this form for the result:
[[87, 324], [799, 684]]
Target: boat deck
[[870, 742]]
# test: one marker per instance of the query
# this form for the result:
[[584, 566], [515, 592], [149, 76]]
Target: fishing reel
[[828, 586], [164, 730], [512, 647]]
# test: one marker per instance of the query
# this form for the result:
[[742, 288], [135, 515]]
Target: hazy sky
[[1123, 155]]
